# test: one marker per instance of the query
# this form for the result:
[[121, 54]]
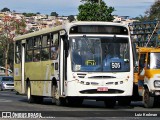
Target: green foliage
[[10, 27], [29, 14], [152, 13], [91, 10], [54, 14], [5, 10], [71, 18], [1, 56]]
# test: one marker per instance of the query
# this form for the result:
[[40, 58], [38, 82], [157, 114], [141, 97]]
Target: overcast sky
[[132, 8]]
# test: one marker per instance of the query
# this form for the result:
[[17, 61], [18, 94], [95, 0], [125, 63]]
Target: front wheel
[[147, 99], [55, 97], [29, 96]]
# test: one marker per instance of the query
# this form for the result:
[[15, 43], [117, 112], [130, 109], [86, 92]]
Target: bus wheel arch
[[54, 81]]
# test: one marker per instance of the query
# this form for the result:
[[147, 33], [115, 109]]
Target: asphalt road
[[90, 109]]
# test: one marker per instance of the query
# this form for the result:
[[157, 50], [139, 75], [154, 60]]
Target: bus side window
[[18, 52], [54, 52], [29, 50], [36, 55], [45, 47], [45, 54], [54, 46], [29, 55]]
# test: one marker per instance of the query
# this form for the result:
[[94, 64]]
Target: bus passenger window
[[29, 55], [54, 53], [18, 52], [45, 54], [54, 46], [17, 58], [36, 55]]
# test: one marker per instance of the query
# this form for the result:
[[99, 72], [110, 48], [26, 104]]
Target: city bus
[[76, 61]]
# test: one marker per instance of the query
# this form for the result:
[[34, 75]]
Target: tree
[[5, 10], [10, 27], [71, 18], [152, 13], [54, 14], [95, 10], [38, 13], [29, 14]]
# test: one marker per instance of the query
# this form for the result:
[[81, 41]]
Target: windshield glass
[[99, 54], [7, 79], [154, 61]]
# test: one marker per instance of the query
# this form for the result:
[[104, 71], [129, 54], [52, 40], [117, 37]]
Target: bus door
[[63, 63], [23, 67]]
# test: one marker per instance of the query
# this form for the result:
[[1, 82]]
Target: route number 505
[[116, 65]]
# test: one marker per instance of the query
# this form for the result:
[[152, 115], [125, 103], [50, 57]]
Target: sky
[[131, 8]]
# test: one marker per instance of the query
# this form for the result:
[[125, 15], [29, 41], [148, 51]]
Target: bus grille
[[94, 91]]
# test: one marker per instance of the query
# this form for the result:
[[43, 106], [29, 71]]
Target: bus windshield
[[108, 54], [154, 61]]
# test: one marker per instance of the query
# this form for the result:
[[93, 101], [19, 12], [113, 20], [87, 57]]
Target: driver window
[[142, 61]]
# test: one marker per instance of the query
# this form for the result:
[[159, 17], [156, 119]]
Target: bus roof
[[95, 23], [40, 32], [68, 25]]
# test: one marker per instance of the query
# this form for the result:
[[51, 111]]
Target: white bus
[[76, 61]]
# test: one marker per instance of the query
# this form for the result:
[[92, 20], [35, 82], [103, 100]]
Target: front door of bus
[[63, 68], [22, 68]]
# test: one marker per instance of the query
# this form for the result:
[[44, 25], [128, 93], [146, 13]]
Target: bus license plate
[[102, 89]]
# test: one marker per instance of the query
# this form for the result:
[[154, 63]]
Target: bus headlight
[[156, 83]]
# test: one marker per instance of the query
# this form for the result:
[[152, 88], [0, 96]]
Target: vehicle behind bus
[[148, 79]]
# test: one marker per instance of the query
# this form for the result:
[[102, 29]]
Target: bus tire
[[110, 102], [30, 97], [56, 98], [60, 101], [148, 101]]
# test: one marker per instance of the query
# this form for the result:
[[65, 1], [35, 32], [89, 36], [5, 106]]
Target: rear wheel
[[147, 99]]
